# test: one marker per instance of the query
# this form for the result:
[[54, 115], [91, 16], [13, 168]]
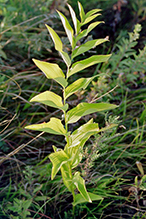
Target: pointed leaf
[[82, 13], [67, 176], [49, 98], [57, 41], [54, 126], [79, 138], [54, 148], [87, 46], [79, 198], [81, 83], [58, 159], [78, 66], [68, 29], [82, 133], [59, 46], [83, 109], [74, 19], [66, 58], [80, 184], [85, 32], [88, 19], [76, 157], [77, 142], [51, 71], [93, 11], [93, 25], [143, 183], [62, 81]]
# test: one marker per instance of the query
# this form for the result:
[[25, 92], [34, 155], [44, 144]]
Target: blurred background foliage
[[110, 160]]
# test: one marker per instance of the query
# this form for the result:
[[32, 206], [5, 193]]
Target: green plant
[[139, 10], [125, 69], [68, 158], [126, 63], [20, 207], [29, 193]]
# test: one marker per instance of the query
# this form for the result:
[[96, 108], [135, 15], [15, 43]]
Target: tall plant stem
[[73, 212], [73, 207]]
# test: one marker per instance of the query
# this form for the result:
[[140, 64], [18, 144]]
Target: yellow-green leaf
[[87, 46], [93, 11], [54, 126], [68, 29], [74, 19], [49, 98], [80, 199], [88, 19], [78, 66], [79, 138], [80, 184], [57, 41], [82, 133], [85, 32], [66, 58], [81, 83], [83, 109], [52, 71], [58, 159], [82, 13], [59, 46]]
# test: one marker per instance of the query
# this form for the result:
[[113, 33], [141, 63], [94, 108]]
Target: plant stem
[[73, 212], [73, 207]]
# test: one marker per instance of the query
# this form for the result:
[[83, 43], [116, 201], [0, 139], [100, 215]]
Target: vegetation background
[[114, 164]]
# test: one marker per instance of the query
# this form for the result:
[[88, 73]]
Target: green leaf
[[82, 133], [88, 19], [82, 13], [66, 58], [59, 46], [78, 66], [143, 183], [85, 32], [67, 176], [58, 159], [68, 29], [93, 25], [77, 156], [80, 184], [49, 98], [62, 81], [93, 11], [41, 198], [57, 41], [54, 126], [74, 19], [83, 109], [81, 83], [79, 198], [87, 46], [78, 139], [3, 54], [52, 71]]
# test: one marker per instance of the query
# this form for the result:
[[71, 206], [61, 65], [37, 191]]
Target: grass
[[111, 175]]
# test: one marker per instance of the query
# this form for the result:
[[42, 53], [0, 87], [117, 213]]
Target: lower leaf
[[80, 199], [80, 184], [67, 177], [57, 159]]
